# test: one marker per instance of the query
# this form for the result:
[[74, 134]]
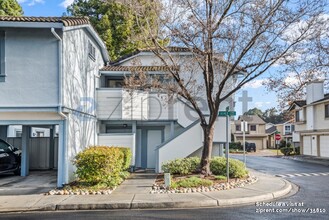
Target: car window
[[4, 146]]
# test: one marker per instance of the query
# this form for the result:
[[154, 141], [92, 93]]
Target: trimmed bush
[[297, 150], [191, 182], [236, 146], [218, 167], [287, 150], [100, 165], [126, 157], [182, 166]]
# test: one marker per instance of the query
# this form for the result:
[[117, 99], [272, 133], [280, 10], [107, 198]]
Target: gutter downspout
[[60, 70], [62, 176]]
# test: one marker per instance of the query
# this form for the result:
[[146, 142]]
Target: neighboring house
[[255, 132], [16, 131], [48, 74], [154, 128], [312, 121], [285, 129]]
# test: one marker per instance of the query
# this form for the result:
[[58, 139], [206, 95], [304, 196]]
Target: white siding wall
[[135, 105], [79, 88], [109, 104]]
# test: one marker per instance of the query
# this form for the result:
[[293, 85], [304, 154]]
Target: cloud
[[261, 104], [66, 3], [31, 2], [257, 83]]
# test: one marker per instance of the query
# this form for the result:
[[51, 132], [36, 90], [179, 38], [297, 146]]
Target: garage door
[[259, 144], [324, 146], [307, 145]]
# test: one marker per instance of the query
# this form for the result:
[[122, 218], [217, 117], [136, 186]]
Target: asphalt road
[[310, 202]]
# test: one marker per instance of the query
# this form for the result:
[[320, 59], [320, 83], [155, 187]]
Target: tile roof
[[300, 103], [251, 119], [271, 130], [136, 68], [66, 21]]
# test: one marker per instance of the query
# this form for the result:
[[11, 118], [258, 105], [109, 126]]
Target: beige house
[[312, 121], [285, 129], [256, 132]]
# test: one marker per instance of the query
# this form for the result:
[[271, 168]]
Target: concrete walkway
[[134, 194], [137, 183]]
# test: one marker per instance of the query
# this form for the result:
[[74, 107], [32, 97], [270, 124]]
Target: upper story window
[[238, 127], [326, 111], [297, 116], [252, 127], [2, 56], [287, 129], [114, 82], [91, 51]]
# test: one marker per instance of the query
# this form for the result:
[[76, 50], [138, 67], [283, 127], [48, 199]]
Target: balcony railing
[[121, 104]]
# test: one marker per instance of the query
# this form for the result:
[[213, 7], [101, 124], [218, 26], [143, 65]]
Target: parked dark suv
[[250, 147], [10, 158]]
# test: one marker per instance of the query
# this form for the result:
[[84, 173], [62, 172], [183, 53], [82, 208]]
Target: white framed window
[[326, 111], [91, 51]]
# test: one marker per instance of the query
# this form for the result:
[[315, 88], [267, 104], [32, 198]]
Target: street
[[310, 202]]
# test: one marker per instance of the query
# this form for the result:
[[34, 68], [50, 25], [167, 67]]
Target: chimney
[[314, 91]]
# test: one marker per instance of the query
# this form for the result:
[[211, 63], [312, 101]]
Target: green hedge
[[182, 166], [192, 165], [191, 182], [287, 150], [126, 157], [102, 165], [237, 168]]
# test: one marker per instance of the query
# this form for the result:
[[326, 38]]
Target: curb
[[210, 202]]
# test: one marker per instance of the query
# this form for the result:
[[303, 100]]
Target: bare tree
[[309, 62], [224, 38]]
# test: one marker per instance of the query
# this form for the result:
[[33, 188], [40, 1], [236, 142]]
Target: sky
[[262, 99]]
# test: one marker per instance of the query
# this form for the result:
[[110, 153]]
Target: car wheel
[[18, 171]]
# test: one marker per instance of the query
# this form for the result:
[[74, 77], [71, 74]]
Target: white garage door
[[307, 144], [324, 146]]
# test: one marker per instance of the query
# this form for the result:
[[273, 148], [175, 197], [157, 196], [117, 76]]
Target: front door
[[154, 139], [151, 138]]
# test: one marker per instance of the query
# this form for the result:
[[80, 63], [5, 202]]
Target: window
[[252, 127], [2, 56], [326, 111], [91, 51], [297, 118], [287, 129], [4, 147], [238, 127], [116, 82], [18, 133]]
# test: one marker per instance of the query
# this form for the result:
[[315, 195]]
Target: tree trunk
[[208, 133]]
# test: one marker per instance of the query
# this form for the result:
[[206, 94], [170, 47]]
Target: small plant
[[287, 150], [191, 182], [220, 177]]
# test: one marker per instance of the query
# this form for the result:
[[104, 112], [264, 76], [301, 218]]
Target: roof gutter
[[60, 70]]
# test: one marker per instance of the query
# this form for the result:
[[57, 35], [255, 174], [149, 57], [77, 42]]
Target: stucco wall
[[320, 122], [32, 68]]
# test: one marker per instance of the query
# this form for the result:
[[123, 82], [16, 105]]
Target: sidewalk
[[134, 194]]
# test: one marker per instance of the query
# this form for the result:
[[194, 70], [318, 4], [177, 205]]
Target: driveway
[[37, 182]]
